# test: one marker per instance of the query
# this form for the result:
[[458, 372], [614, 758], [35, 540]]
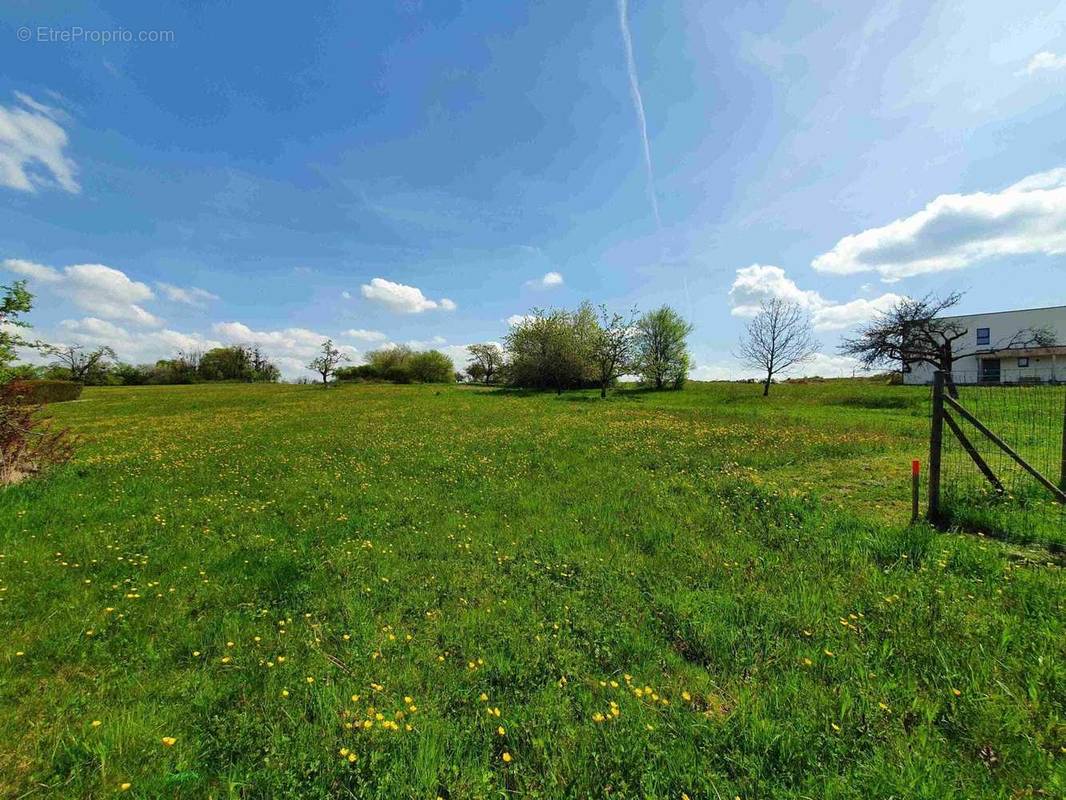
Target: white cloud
[[290, 348], [346, 295], [548, 281], [841, 316], [426, 344], [107, 292], [1044, 61], [101, 290], [30, 269], [364, 335], [193, 296], [401, 298], [761, 282], [518, 319], [957, 230], [824, 365], [139, 346], [32, 144]]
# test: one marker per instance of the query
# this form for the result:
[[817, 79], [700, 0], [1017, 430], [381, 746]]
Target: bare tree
[[82, 364], [613, 346], [914, 332], [325, 364], [777, 339], [487, 358]]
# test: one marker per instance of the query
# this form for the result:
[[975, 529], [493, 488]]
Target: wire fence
[[1011, 488]]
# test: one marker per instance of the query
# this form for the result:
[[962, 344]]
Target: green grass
[[1030, 420], [746, 564]]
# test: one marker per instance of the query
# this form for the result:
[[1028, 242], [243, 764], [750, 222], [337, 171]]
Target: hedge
[[37, 392]]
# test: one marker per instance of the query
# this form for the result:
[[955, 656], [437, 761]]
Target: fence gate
[[997, 458]]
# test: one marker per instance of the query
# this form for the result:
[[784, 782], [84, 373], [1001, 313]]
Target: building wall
[[1002, 326]]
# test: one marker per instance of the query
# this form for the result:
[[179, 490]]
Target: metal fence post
[[936, 442], [1062, 473]]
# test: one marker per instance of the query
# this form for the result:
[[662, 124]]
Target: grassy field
[[378, 591]]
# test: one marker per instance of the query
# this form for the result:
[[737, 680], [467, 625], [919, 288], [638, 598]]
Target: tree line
[[99, 366], [586, 347]]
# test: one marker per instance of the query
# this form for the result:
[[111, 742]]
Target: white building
[[985, 354]]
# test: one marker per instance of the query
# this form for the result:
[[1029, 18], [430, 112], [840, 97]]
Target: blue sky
[[423, 171]]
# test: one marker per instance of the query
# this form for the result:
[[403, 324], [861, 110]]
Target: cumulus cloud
[[518, 319], [107, 292], [32, 147], [192, 296], [364, 335], [139, 346], [549, 280], [101, 290], [761, 282], [402, 298], [30, 269], [290, 348], [957, 230], [1044, 61], [824, 365]]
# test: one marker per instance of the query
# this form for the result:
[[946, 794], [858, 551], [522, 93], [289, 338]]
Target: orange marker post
[[916, 471]]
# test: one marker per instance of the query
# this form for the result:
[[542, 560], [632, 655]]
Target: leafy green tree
[[326, 363], [662, 356], [225, 364], [613, 345], [486, 361], [552, 349], [432, 366], [15, 301]]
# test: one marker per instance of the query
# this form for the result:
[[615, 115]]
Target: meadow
[[269, 591]]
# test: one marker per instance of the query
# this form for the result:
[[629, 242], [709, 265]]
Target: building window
[[984, 336], [1023, 361]]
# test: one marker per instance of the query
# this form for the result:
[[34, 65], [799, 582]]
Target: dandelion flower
[[169, 741], [506, 757]]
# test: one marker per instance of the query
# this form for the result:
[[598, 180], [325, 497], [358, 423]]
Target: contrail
[[638, 104]]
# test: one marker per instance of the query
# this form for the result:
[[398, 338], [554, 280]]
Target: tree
[[81, 365], [225, 364], [15, 301], [552, 349], [262, 368], [913, 331], [661, 350], [326, 362], [777, 339], [613, 345], [476, 372], [488, 358], [432, 366]]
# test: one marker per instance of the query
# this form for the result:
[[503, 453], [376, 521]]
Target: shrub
[[401, 364], [39, 392], [432, 366], [28, 444]]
